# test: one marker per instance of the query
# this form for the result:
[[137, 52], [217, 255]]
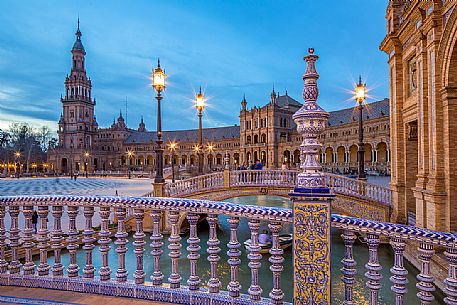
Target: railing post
[[311, 201]]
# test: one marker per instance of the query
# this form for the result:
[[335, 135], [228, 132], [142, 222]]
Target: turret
[[243, 103]]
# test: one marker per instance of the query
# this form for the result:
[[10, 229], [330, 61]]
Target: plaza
[[270, 200]]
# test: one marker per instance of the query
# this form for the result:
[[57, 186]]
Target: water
[[361, 293], [380, 180]]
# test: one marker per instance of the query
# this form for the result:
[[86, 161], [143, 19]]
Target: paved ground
[[20, 295], [82, 186]]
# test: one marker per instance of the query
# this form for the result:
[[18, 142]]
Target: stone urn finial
[[310, 120]]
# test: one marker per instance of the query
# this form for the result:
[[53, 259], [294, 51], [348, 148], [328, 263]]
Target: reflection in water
[[360, 254]]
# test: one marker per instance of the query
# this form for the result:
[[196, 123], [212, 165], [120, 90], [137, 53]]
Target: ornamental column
[[311, 201]]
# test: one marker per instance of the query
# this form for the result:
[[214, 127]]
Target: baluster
[[29, 265], [72, 241], [104, 241], [56, 240], [15, 265], [3, 262], [156, 247], [88, 241], [373, 267], [139, 243], [349, 266], [451, 280], [193, 248], [425, 279], [399, 271], [121, 241], [213, 250], [254, 257], [234, 261], [175, 246], [276, 259], [43, 267]]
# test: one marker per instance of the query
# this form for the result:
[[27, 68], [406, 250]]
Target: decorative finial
[[360, 79], [158, 62], [78, 22], [310, 120], [200, 92]]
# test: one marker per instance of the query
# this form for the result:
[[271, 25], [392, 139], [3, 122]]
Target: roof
[[209, 134], [285, 100], [371, 111]]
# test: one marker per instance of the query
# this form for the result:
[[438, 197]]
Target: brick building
[[265, 133], [420, 43]]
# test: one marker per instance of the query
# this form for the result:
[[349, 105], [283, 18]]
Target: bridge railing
[[353, 187], [156, 285], [285, 178], [194, 185], [263, 178]]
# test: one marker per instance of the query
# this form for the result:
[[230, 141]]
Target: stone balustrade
[[173, 287], [274, 178], [357, 188]]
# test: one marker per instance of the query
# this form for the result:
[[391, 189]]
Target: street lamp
[[130, 156], [200, 105], [86, 155], [172, 147], [210, 149], [18, 161], [360, 96], [158, 82]]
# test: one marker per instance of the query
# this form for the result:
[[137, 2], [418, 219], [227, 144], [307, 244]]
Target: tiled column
[[311, 201]]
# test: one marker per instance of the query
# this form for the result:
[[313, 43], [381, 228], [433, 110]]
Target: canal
[[361, 293]]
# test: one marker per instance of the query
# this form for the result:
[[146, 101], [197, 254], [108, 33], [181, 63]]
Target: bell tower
[[77, 125]]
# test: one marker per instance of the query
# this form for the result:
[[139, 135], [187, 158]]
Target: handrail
[[38, 275], [357, 188]]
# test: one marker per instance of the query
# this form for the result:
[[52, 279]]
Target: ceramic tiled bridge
[[310, 257]]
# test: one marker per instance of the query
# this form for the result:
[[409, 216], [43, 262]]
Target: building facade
[[266, 133], [420, 43]]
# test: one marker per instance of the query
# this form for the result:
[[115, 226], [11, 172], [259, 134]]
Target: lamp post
[[86, 155], [129, 157], [18, 162], [200, 105], [172, 147], [210, 149], [158, 82], [360, 96]]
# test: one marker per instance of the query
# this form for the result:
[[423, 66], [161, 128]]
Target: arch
[[382, 152], [218, 159], [236, 158], [256, 156], [183, 159], [297, 157], [286, 156], [123, 160], [263, 138], [263, 157], [167, 160], [353, 153], [248, 140], [340, 154], [446, 53], [329, 155], [64, 165], [141, 160], [149, 160], [248, 156], [256, 139], [210, 161], [192, 160]]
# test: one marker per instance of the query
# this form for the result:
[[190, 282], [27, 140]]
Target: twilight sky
[[230, 48]]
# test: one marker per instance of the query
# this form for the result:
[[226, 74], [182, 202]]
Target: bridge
[[354, 197]]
